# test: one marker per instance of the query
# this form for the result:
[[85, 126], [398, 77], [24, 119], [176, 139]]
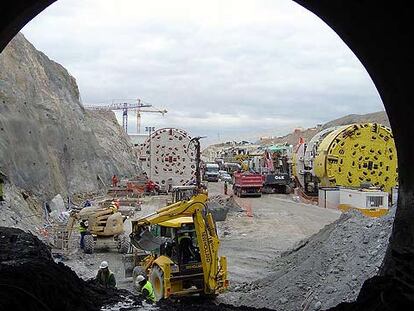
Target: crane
[[125, 107], [139, 110]]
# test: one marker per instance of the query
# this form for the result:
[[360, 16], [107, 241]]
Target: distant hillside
[[293, 138], [378, 117]]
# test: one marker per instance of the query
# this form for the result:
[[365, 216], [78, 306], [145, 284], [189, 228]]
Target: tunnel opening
[[360, 26]]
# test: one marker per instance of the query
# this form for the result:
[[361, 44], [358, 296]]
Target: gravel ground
[[86, 265], [324, 270], [274, 260], [276, 224]]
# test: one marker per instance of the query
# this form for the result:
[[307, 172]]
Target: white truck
[[211, 172]]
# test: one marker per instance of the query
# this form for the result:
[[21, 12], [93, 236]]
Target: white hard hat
[[140, 278], [104, 264]]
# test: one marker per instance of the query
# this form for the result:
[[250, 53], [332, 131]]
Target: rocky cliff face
[[48, 143]]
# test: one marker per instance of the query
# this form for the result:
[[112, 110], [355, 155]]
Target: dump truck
[[105, 228], [247, 184], [177, 249]]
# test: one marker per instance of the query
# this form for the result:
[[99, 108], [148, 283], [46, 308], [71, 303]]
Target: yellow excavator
[[181, 246]]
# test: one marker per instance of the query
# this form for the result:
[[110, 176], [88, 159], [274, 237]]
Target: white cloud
[[232, 67]]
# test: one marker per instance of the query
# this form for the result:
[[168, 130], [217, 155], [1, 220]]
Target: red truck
[[247, 184]]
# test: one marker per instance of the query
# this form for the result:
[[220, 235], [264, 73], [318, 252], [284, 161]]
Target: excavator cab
[[180, 243]]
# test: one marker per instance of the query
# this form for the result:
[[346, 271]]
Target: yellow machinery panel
[[358, 153]]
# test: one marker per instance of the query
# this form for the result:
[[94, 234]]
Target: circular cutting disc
[[168, 157], [355, 154]]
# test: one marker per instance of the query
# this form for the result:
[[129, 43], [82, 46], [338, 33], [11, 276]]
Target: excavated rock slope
[[48, 143]]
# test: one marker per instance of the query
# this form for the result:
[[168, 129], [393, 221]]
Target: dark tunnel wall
[[381, 36], [15, 14]]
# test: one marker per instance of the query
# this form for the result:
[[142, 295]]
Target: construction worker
[[105, 277], [146, 288], [225, 187], [83, 229], [115, 181], [114, 207]]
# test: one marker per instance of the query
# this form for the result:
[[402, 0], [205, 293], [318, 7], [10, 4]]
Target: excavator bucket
[[147, 241]]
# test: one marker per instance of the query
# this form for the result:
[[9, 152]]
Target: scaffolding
[[61, 239]]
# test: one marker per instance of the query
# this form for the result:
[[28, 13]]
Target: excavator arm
[[173, 211]]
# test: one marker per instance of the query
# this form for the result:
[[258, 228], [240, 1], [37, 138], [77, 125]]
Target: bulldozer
[[176, 248], [105, 228]]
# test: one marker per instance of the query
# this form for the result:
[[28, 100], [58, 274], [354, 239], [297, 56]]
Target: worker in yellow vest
[[146, 288], [83, 229], [105, 277]]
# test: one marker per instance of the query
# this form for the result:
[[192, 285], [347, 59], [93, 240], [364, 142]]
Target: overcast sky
[[224, 69]]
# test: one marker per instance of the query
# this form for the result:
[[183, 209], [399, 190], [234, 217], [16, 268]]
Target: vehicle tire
[[89, 244], [157, 280], [135, 272], [123, 244]]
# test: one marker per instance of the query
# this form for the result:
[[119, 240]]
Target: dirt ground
[[270, 225], [87, 265], [281, 254], [250, 239]]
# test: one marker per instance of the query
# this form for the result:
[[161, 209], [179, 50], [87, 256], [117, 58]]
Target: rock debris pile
[[221, 205], [324, 270], [31, 280]]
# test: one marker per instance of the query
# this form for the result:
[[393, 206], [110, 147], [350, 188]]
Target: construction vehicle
[[211, 172], [232, 167], [181, 193], [247, 184], [277, 183], [105, 228], [276, 173], [176, 247]]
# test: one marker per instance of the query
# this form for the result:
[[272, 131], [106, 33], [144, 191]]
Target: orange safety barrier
[[136, 188]]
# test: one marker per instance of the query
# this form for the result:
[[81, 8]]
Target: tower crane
[[139, 110], [125, 107]]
